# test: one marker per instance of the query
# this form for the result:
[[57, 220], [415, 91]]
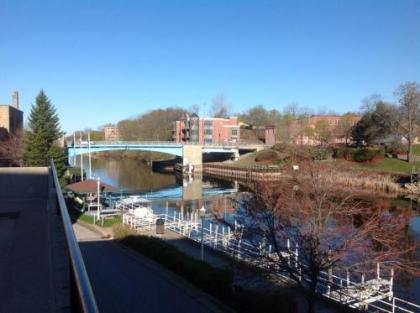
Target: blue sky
[[101, 61]]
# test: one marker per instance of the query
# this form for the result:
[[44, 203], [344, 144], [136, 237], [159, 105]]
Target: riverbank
[[386, 183]]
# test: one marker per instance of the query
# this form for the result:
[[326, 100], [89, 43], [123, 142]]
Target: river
[[189, 195]]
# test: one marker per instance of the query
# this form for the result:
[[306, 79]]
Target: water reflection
[[130, 174]]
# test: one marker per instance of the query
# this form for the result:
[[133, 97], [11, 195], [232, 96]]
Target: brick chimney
[[15, 99]]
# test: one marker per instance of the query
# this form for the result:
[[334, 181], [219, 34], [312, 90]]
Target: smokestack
[[15, 99]]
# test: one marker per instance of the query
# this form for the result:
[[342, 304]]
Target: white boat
[[133, 201], [138, 206]]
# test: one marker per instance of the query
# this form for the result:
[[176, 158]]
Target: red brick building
[[111, 133], [192, 128], [305, 129]]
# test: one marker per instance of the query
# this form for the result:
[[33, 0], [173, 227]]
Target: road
[[124, 281]]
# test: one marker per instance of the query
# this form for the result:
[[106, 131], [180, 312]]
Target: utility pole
[[98, 213], [74, 149], [90, 158], [81, 159]]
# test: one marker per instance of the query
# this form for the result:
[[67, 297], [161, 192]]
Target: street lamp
[[202, 216], [98, 213]]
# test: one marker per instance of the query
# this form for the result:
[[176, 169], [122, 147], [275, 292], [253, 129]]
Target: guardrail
[[83, 299]]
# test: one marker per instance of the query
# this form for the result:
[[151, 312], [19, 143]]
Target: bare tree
[[409, 113], [219, 107], [344, 128], [194, 109], [333, 229], [292, 109]]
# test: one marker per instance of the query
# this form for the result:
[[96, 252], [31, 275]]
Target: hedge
[[363, 154], [215, 281]]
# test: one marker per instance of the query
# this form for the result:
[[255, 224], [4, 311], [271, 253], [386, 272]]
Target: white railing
[[374, 295]]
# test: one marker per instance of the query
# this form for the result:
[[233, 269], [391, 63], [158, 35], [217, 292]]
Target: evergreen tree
[[42, 133]]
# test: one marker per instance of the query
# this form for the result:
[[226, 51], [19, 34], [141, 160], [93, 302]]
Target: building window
[[208, 124], [208, 132], [234, 132]]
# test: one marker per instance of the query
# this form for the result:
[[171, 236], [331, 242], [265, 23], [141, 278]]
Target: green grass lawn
[[388, 165], [392, 165], [108, 222], [416, 149]]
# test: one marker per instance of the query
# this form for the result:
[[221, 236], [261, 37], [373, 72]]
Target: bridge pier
[[192, 155]]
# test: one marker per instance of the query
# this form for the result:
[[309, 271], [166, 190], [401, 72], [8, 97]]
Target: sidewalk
[[125, 281], [192, 248]]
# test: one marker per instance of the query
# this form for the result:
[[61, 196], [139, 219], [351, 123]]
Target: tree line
[[394, 123]]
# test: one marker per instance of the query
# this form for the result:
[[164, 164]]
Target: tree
[[194, 109], [59, 156], [219, 107], [408, 122], [260, 116], [377, 123], [344, 128], [322, 132], [293, 126], [332, 229], [42, 133], [11, 149], [152, 125]]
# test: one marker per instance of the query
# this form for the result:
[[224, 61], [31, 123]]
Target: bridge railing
[[82, 297], [170, 143]]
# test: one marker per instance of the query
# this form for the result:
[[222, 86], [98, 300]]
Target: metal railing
[[83, 299], [168, 143], [379, 299]]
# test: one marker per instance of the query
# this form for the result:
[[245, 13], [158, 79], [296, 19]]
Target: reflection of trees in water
[[133, 174], [111, 167], [216, 206]]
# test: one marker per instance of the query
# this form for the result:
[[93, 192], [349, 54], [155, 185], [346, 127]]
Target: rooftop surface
[[33, 269]]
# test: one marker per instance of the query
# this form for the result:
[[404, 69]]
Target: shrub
[[266, 155], [215, 281], [367, 154], [318, 153], [396, 148], [281, 147], [120, 231], [344, 153]]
